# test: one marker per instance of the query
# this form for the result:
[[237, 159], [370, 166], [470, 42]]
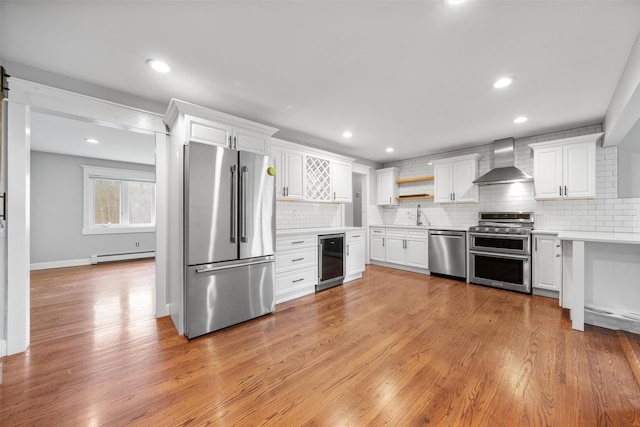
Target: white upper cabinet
[[341, 181], [248, 140], [317, 185], [565, 168], [289, 171], [453, 179], [207, 131], [387, 186], [312, 175], [200, 124]]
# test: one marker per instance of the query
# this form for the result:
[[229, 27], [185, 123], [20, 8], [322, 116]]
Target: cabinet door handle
[[297, 242], [389, 200], [235, 142], [560, 189], [536, 241], [334, 195], [297, 280], [383, 242], [565, 191], [347, 250], [297, 259], [356, 235]]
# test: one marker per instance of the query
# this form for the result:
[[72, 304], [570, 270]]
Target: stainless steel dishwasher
[[448, 253]]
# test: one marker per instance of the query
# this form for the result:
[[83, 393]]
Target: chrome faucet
[[418, 214]]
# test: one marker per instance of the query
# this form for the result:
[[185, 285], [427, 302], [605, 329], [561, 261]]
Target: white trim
[[60, 264], [41, 98], [90, 172], [63, 103], [117, 230], [18, 227], [162, 170], [592, 137]]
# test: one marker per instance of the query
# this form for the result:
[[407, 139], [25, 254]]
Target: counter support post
[[577, 292]]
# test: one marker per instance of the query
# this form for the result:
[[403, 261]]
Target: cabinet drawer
[[297, 242], [377, 231], [290, 260], [395, 232], [417, 233], [295, 279], [355, 236]]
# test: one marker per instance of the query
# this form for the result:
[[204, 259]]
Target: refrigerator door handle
[[243, 205], [234, 205], [227, 267]]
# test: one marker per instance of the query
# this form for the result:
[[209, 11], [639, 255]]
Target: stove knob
[[497, 230], [486, 229]]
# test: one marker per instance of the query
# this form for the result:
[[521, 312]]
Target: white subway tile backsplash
[[605, 213]]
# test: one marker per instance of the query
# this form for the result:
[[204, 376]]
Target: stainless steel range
[[500, 250]]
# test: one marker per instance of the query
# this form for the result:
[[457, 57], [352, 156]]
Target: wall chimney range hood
[[504, 171]]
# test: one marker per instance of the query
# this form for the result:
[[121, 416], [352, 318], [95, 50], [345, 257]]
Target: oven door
[[505, 271], [503, 243]]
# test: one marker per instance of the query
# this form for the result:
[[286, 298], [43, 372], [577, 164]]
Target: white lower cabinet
[[401, 246], [296, 266], [547, 265], [355, 255], [377, 249]]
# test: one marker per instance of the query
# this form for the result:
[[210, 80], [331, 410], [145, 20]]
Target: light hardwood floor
[[394, 348]]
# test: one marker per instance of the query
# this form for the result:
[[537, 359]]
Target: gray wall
[[56, 212]]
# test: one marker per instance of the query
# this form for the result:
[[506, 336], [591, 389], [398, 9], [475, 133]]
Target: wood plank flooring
[[395, 348]]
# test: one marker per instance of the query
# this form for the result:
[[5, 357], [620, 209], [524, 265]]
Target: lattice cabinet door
[[318, 179]]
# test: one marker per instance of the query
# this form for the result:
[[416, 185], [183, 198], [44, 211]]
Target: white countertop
[[588, 236], [593, 236], [424, 227], [318, 230]]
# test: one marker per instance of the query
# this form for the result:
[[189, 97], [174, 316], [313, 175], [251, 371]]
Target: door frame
[[24, 97]]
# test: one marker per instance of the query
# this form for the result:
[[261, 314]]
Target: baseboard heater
[[96, 259]]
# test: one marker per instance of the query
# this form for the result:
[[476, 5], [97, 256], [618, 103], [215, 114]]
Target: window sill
[[114, 230]]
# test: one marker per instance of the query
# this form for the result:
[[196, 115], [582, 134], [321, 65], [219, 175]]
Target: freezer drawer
[[223, 294]]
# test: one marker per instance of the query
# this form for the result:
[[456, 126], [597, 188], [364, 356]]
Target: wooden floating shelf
[[415, 197], [420, 178]]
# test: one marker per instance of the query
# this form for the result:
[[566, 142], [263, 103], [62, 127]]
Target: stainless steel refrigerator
[[229, 222]]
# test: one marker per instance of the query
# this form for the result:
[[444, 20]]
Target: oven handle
[[507, 236], [500, 255]]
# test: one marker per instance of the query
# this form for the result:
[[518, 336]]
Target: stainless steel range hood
[[504, 171]]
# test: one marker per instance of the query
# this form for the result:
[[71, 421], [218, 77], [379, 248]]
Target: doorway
[[26, 98], [355, 212]]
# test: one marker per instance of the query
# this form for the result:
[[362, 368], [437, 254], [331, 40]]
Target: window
[[118, 201]]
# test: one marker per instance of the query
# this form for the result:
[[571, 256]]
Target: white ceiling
[[415, 75], [61, 135]]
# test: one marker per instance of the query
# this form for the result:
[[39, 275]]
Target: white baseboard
[[95, 259], [60, 264]]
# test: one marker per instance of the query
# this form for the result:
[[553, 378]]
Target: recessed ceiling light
[[453, 2], [92, 140], [503, 82], [347, 134], [158, 65], [389, 150], [520, 119]]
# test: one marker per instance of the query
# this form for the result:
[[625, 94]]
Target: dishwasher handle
[[445, 233]]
